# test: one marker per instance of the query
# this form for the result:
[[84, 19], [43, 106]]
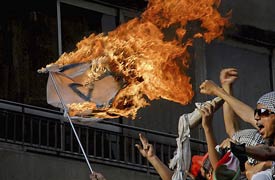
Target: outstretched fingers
[[144, 141]]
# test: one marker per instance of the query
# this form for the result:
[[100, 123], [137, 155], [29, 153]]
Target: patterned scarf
[[268, 100]]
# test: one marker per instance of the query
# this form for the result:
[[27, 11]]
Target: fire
[[164, 13], [150, 65]]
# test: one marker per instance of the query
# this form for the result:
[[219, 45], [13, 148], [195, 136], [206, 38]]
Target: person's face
[[206, 174], [265, 122]]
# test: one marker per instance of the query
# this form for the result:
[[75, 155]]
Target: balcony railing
[[43, 130]]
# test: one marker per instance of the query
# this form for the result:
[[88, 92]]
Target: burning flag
[[114, 75]]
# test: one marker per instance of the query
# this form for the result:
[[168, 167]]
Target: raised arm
[[207, 117], [147, 151], [227, 77], [244, 111]]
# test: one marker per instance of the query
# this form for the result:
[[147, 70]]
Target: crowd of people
[[245, 154]]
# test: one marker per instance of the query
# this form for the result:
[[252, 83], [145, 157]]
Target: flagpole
[[69, 118]]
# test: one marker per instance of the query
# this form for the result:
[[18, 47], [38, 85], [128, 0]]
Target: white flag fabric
[[182, 158], [70, 82]]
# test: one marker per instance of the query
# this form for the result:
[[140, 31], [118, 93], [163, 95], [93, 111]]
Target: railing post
[[62, 136]]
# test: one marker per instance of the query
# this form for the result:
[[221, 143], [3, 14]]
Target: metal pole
[[69, 118], [59, 36]]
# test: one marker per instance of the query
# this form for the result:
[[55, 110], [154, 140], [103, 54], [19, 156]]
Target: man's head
[[201, 167], [265, 115]]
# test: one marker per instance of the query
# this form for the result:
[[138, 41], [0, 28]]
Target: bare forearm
[[211, 144], [261, 153], [164, 172], [230, 118], [244, 111]]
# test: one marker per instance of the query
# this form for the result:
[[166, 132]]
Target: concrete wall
[[255, 13], [18, 165]]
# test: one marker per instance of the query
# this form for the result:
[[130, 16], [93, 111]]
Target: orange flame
[[151, 67]]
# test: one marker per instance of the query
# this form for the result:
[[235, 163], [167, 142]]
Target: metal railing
[[43, 130]]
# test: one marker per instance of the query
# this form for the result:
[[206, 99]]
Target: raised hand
[[207, 113], [209, 87], [226, 143], [228, 76], [146, 149]]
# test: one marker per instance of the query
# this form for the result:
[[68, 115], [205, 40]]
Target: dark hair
[[207, 169], [200, 177], [207, 165]]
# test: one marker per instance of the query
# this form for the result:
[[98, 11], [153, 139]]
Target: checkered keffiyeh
[[268, 100], [250, 137]]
